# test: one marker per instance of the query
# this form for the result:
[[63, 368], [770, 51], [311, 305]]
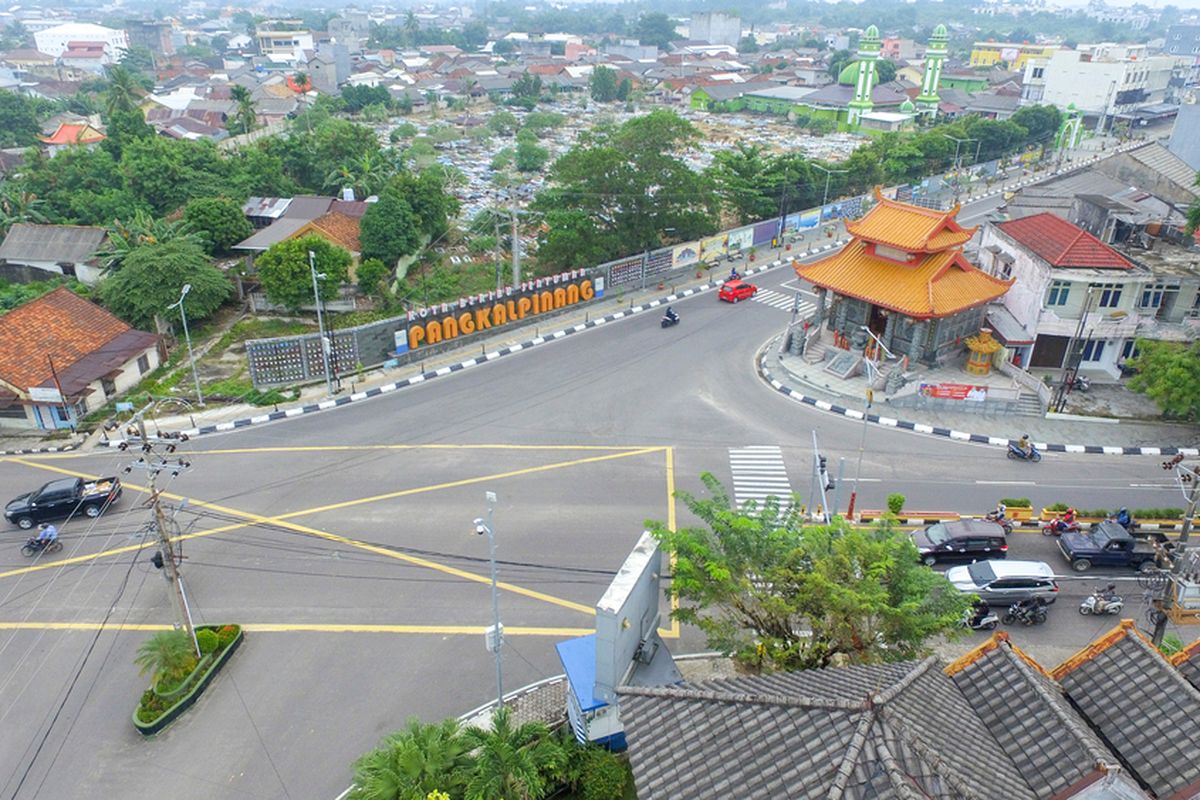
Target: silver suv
[[1005, 582]]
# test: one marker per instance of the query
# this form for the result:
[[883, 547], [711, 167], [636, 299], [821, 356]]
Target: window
[[1059, 292], [1110, 294], [143, 363], [108, 386], [1152, 295], [15, 411], [1129, 349], [1093, 349], [1039, 72]]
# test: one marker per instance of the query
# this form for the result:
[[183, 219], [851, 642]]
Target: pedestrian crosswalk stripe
[[759, 473], [784, 301]]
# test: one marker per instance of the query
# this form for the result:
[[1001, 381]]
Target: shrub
[[1017, 502], [895, 502], [1157, 513], [207, 640], [1059, 507], [225, 635], [1171, 644], [605, 775]]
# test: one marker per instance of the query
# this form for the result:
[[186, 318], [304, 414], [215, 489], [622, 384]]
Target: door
[[1049, 351]]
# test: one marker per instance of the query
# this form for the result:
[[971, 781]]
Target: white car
[[1005, 582]]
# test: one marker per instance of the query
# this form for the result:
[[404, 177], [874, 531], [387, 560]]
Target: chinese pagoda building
[[903, 277]]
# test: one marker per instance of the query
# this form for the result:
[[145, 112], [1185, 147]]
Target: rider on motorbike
[[1025, 446], [1123, 518], [979, 612], [999, 513], [1066, 521], [1105, 596], [671, 315], [46, 534]]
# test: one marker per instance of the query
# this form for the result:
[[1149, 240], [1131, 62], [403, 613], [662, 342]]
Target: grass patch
[[260, 328], [237, 389]]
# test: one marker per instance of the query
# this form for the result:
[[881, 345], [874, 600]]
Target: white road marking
[[1005, 483], [759, 473], [783, 301]]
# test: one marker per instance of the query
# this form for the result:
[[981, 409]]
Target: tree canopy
[[283, 270], [603, 84], [390, 230], [219, 220], [152, 277], [625, 189], [776, 593], [18, 120], [1169, 374], [656, 29]]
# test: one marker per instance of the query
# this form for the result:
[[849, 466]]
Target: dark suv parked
[[961, 540]]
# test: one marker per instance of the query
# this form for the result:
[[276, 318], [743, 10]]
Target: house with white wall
[[56, 40]]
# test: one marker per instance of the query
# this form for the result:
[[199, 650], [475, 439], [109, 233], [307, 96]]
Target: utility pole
[[499, 261], [493, 636], [821, 482], [167, 557], [828, 174], [1074, 356], [957, 162], [325, 348], [862, 444], [187, 287], [1188, 476], [516, 243]]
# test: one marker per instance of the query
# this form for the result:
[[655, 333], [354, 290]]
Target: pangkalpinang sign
[[478, 313]]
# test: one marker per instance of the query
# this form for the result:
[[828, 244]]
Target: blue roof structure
[[578, 657]]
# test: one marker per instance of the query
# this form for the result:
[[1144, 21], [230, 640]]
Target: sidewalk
[[1050, 433]]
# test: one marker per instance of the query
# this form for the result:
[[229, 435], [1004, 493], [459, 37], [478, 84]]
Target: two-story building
[[1069, 287]]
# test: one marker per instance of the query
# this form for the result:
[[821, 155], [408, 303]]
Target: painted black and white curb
[[425, 377], [66, 448], [1065, 170], [934, 430]]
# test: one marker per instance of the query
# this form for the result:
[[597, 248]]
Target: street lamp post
[[957, 163], [312, 267], [496, 634], [828, 174], [187, 287]]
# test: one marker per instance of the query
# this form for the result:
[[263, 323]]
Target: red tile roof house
[[1068, 284], [62, 357]]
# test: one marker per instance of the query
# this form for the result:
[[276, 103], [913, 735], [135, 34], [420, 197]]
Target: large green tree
[[657, 29], [390, 229], [219, 220], [18, 120], [152, 277], [283, 270], [632, 190], [776, 593], [1041, 122], [603, 84], [1169, 374]]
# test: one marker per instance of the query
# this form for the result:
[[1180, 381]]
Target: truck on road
[[63, 498], [1107, 544]]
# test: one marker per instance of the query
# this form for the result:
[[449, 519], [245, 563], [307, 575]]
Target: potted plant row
[[178, 674]]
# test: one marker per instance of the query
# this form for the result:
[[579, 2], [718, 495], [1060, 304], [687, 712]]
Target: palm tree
[[17, 205], [142, 229], [122, 95], [512, 763], [411, 27], [166, 655], [245, 117], [366, 175], [301, 81], [413, 763]]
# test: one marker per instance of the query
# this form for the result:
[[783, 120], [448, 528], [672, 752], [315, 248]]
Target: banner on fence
[[765, 232], [810, 219], [713, 247], [741, 238], [955, 391], [686, 254]]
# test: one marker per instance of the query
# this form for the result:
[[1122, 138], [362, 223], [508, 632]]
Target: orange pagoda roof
[[936, 281], [74, 133], [910, 228]]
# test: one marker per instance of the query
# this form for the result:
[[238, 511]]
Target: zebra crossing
[[784, 301], [759, 472]]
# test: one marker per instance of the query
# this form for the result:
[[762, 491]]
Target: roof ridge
[[1186, 653], [934, 759], [882, 698], [1140, 639], [783, 701], [850, 755], [1094, 648], [1074, 241]]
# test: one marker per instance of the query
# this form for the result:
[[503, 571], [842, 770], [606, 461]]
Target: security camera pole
[[495, 634]]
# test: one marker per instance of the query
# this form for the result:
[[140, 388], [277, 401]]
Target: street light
[[495, 635], [312, 267], [828, 174], [957, 163], [187, 287]]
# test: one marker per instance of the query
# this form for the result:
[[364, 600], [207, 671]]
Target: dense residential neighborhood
[[600, 400]]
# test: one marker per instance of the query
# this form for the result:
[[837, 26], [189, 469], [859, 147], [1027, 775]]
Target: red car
[[733, 291]]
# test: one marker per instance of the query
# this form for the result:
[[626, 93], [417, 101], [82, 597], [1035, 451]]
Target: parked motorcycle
[[1096, 604], [985, 621], [1056, 527], [35, 546], [1003, 522], [1018, 454], [1081, 384], [669, 320], [1026, 612]]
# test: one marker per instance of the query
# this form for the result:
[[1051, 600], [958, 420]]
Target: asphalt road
[[344, 540]]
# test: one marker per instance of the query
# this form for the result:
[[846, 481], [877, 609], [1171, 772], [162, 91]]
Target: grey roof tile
[[1144, 709], [1027, 714], [1189, 665]]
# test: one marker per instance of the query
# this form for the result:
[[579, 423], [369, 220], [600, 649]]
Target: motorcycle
[[668, 321], [35, 546], [1095, 604], [1130, 527], [1018, 454], [1027, 612], [987, 622], [1081, 384], [1003, 522], [1057, 527]]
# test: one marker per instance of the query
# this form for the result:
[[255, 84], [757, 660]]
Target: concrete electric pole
[[1188, 476]]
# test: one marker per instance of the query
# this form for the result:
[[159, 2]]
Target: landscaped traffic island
[[179, 676]]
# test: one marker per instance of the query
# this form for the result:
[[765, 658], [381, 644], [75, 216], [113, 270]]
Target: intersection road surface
[[344, 541]]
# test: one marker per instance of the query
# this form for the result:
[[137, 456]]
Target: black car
[[961, 540]]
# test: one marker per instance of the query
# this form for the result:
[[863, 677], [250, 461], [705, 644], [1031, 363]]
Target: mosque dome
[[907, 107], [849, 74]]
